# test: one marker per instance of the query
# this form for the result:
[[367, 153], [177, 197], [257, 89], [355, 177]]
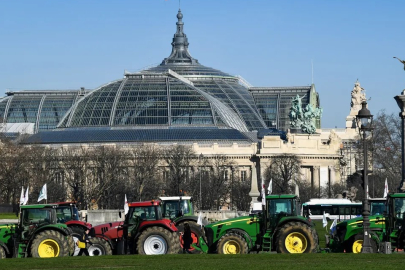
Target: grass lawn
[[211, 261], [8, 216]]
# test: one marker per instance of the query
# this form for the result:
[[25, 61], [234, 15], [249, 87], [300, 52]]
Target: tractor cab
[[38, 214], [396, 208], [377, 206], [177, 206], [67, 211], [279, 207]]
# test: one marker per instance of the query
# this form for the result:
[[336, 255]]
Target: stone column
[[316, 178], [332, 173], [254, 190]]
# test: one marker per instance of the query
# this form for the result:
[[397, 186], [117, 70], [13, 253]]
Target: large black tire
[[358, 244], [100, 247], [157, 241], [296, 237], [2, 253], [232, 243], [196, 232], [49, 243], [71, 244]]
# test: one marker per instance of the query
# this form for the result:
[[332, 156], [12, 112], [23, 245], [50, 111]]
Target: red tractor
[[144, 231], [67, 213]]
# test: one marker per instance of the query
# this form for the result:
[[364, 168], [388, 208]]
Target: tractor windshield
[[377, 208], [36, 216], [66, 213], [399, 207], [172, 209], [284, 207], [144, 213]]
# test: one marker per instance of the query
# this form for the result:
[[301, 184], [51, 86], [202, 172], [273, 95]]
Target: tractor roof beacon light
[[365, 124]]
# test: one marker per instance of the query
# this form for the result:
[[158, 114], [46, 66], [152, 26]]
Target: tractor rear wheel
[[2, 253], [232, 243], [195, 234], [296, 237], [49, 243], [158, 240], [358, 244], [100, 247]]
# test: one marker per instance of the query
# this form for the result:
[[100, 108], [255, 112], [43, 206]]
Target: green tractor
[[348, 235], [37, 234], [278, 227], [386, 225], [180, 209]]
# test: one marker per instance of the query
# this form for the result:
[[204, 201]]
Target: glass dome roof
[[180, 92]]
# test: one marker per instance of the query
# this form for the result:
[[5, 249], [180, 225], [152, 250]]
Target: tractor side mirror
[[119, 214]]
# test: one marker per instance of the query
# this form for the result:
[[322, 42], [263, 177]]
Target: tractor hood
[[232, 222]]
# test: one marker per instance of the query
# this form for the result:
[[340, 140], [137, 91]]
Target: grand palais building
[[182, 101]]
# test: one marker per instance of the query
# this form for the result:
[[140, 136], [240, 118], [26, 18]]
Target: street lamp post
[[364, 122], [200, 157]]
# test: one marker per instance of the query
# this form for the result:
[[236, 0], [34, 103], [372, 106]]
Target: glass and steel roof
[[179, 92]]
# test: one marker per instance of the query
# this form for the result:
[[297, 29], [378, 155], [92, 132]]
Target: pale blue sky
[[55, 44]]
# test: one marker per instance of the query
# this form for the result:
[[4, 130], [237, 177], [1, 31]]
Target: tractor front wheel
[[100, 247], [296, 237], [232, 243], [47, 244], [196, 232], [358, 244], [157, 241]]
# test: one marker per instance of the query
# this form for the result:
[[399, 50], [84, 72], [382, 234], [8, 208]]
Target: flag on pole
[[42, 194], [199, 220], [386, 188], [324, 221], [333, 226], [26, 196], [270, 187], [126, 206], [22, 196], [263, 194]]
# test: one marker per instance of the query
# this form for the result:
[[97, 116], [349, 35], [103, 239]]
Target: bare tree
[[179, 161], [284, 170], [144, 174]]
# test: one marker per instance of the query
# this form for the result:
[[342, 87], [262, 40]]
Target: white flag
[[199, 220], [324, 221], [333, 226], [297, 190], [26, 196], [42, 194], [126, 207], [386, 188], [263, 194], [22, 196], [270, 187]]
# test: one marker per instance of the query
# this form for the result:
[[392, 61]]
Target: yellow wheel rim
[[231, 247], [48, 248], [357, 245], [296, 242]]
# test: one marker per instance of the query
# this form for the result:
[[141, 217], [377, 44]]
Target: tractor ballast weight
[[144, 231], [278, 228], [37, 234]]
